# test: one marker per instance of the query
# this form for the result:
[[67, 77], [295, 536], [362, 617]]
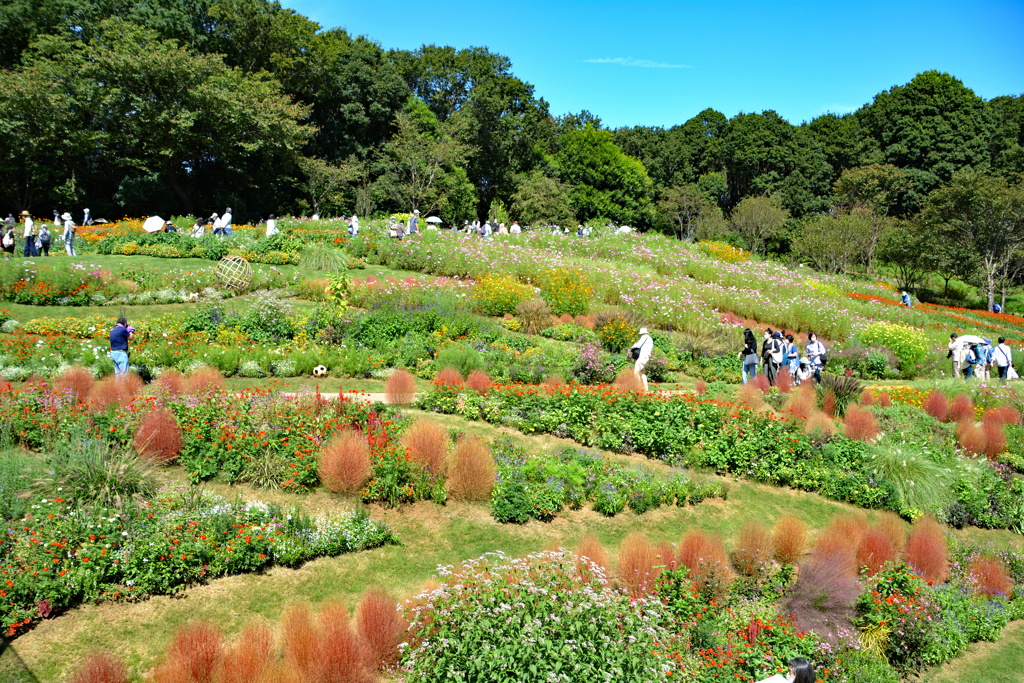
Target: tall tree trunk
[[172, 180]]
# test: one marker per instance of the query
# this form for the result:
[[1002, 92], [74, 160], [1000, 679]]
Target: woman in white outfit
[[69, 234], [641, 352], [272, 226]]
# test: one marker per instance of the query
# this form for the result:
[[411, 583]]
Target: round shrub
[[499, 294], [344, 464], [428, 444], [467, 619], [380, 626], [75, 380], [101, 668], [471, 471], [510, 503], [566, 290], [789, 539], [400, 387]]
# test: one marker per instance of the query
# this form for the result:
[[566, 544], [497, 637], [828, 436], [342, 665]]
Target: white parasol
[[970, 339], [433, 219], [153, 224]]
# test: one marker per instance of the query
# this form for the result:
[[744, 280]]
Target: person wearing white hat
[[905, 299], [69, 234], [225, 222], [414, 222], [641, 352], [30, 235], [87, 218]]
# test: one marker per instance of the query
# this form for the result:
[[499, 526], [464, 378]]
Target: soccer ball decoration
[[320, 371]]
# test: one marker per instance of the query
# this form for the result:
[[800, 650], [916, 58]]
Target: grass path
[[998, 662]]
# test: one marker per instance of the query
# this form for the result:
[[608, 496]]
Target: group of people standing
[[218, 224], [779, 353], [36, 238], [973, 357]]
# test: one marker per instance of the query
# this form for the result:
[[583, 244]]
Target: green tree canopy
[[603, 181], [757, 219]]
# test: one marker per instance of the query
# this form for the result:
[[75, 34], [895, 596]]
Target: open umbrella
[[970, 339], [433, 219], [153, 224]]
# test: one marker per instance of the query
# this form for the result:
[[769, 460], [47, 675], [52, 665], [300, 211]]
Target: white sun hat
[[643, 330]]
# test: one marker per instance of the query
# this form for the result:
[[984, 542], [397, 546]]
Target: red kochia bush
[[971, 437], [789, 539], [700, 386], [341, 657], [894, 527], [859, 424], [706, 559], [100, 667], [995, 439], [867, 397], [471, 471], [479, 381], [627, 380], [1001, 415], [884, 399], [380, 626], [784, 381], [927, 551], [828, 403], [172, 382], [875, 549], [300, 638], [400, 387], [195, 651], [204, 380], [636, 564], [936, 405], [592, 549], [76, 380], [158, 437], [961, 408], [761, 382], [113, 391], [251, 656], [449, 375], [989, 577], [344, 464], [428, 445], [753, 548]]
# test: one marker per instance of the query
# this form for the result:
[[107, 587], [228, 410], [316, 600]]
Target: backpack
[[8, 240], [777, 350]]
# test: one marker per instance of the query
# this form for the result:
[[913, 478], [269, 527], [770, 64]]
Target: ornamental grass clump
[[824, 596], [113, 392], [989, 578], [1001, 415], [819, 425], [927, 551], [471, 470], [250, 658], [470, 619], [707, 561], [867, 397], [449, 376], [195, 652], [479, 381], [801, 404], [753, 548], [340, 655], [860, 424], [172, 383], [875, 549], [627, 381], [534, 315], [995, 439], [971, 437], [380, 626], [100, 667], [637, 561], [961, 408], [789, 539], [937, 405], [428, 445], [400, 388], [75, 380], [591, 556], [884, 399], [204, 380], [158, 437], [344, 463]]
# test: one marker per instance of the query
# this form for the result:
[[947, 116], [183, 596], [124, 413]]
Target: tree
[[603, 182], [420, 161], [696, 215], [831, 241], [129, 104], [876, 188], [758, 219], [909, 248], [931, 127], [765, 154], [542, 201], [325, 184], [980, 213], [1007, 114]]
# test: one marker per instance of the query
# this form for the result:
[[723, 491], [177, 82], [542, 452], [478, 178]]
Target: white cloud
[[629, 61], [838, 109]]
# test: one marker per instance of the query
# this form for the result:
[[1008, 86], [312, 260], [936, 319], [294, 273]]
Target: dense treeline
[[176, 106]]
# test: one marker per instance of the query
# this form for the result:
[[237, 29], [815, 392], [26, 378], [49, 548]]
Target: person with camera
[[119, 338], [641, 352]]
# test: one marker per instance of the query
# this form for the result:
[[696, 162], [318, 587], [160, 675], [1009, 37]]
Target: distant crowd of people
[[779, 353], [35, 239], [974, 357]]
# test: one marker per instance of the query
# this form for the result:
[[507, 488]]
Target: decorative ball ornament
[[234, 272], [320, 371]]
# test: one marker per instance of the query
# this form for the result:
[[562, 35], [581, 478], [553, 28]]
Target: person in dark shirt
[[119, 338]]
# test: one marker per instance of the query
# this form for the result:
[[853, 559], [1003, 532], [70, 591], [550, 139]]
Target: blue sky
[[660, 63]]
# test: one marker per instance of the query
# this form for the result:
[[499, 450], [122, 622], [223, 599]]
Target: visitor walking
[[970, 360], [218, 227], [272, 226], [985, 360], [225, 223], [8, 239], [68, 235], [749, 356], [119, 338], [1003, 358], [353, 226], [955, 354], [905, 299], [794, 355], [816, 355], [641, 353], [43, 243], [776, 352], [30, 235], [414, 222], [87, 218]]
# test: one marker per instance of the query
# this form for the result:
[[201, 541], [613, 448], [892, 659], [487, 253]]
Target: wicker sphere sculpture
[[234, 272]]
